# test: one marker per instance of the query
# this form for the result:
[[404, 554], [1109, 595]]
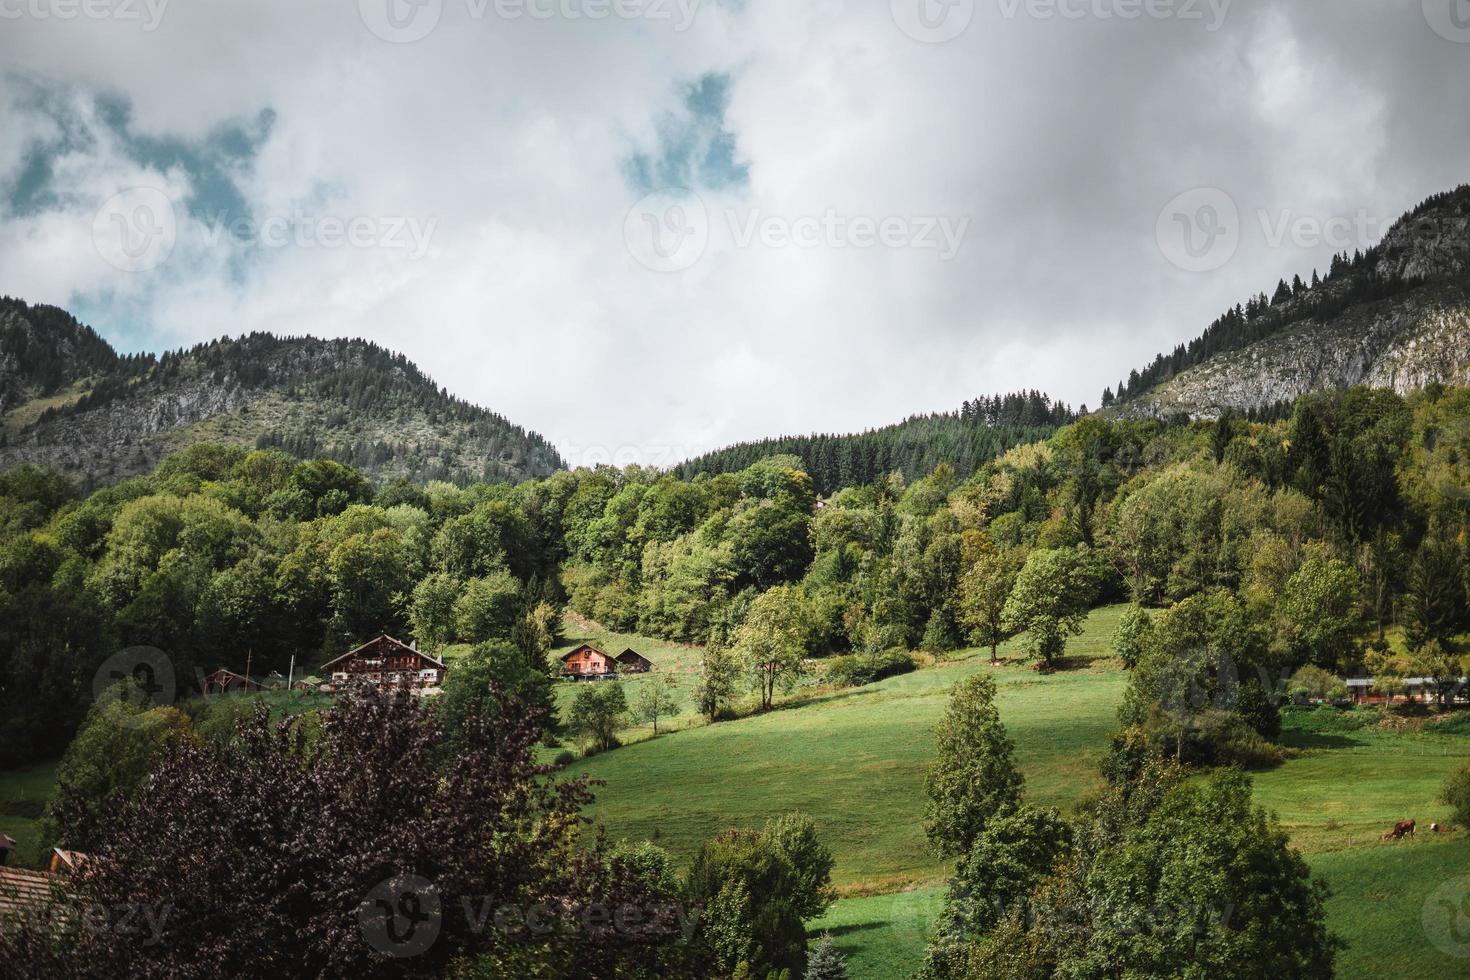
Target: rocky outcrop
[[1418, 335], [106, 418]]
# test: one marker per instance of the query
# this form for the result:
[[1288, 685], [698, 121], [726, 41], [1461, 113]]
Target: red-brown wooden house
[[589, 663], [385, 662]]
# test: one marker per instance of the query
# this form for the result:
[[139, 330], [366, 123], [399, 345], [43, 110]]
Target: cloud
[[516, 145]]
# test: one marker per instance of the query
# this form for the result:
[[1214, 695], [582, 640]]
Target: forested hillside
[[1343, 522], [980, 431], [69, 401]]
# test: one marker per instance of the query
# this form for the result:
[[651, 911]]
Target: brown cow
[[1400, 829]]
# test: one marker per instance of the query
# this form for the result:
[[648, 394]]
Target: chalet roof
[[24, 892], [70, 860], [630, 652], [227, 672], [379, 639], [585, 646]]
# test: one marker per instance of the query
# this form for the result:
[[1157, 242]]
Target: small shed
[[588, 663], [632, 662], [226, 681]]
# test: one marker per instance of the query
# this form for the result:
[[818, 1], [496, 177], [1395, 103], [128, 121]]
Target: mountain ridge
[[1396, 316], [68, 400]]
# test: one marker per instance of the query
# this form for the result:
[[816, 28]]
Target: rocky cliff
[[1395, 317]]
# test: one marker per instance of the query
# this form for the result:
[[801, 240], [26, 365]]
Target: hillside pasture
[[855, 760]]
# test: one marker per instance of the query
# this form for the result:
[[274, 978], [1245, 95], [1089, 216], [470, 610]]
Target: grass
[[855, 760], [883, 935], [1353, 780], [1389, 903], [23, 796]]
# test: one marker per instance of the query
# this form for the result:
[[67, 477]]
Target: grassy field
[[23, 795], [855, 760]]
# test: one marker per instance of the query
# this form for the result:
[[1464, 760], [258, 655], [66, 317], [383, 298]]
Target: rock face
[[1418, 335], [68, 400]]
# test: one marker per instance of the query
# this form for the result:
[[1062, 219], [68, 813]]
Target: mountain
[[966, 439], [1396, 316], [69, 400]]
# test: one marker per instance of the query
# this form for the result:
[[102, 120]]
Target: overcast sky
[[678, 225]]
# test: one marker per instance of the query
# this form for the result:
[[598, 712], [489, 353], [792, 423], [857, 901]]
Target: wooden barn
[[588, 663], [226, 681], [630, 661], [385, 662]]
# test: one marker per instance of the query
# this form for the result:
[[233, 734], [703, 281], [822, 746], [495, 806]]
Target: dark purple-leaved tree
[[344, 846]]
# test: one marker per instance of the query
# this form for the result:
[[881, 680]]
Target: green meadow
[[23, 796], [855, 760]]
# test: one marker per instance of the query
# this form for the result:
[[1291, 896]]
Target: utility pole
[[290, 673]]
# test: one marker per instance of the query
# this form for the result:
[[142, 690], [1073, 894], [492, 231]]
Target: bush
[[1457, 795], [855, 670], [564, 758]]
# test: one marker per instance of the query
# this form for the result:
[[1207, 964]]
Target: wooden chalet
[[225, 681], [387, 663], [630, 661], [587, 663]]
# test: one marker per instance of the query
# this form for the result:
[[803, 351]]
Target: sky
[[649, 228]]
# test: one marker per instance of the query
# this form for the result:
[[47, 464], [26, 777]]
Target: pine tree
[[824, 962]]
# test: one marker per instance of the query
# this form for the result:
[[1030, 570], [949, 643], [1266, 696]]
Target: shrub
[[855, 670], [1457, 795], [564, 758]]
